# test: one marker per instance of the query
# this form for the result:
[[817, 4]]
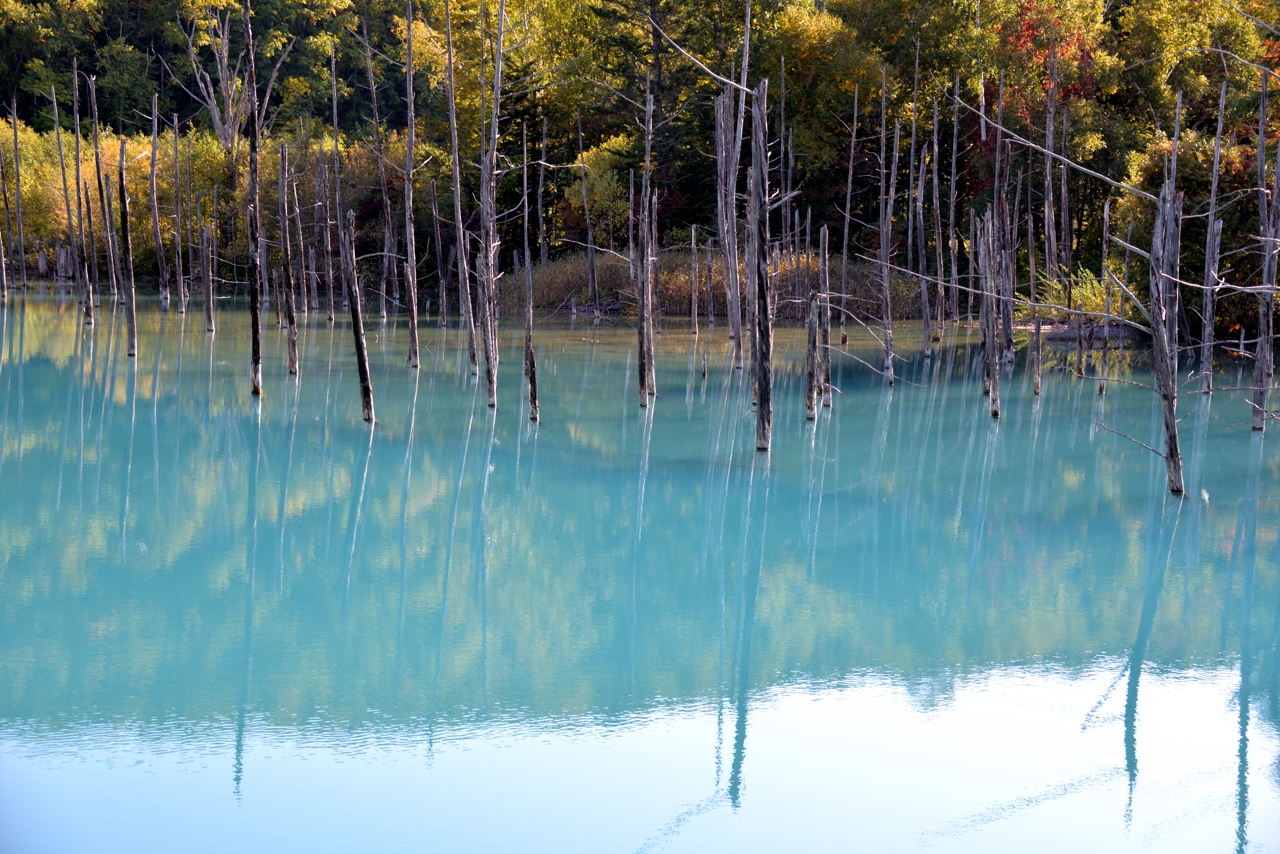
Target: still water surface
[[232, 625]]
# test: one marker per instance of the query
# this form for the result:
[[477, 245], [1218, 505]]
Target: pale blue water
[[266, 627]]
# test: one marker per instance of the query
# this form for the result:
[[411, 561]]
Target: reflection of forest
[[503, 573]]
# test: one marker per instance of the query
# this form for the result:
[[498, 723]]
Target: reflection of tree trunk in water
[[177, 392], [1158, 548], [448, 554], [155, 420], [641, 480], [284, 486], [750, 589], [356, 510], [108, 393], [329, 453], [250, 572], [128, 462], [404, 524], [479, 557], [1248, 558], [874, 477], [87, 370], [66, 422]]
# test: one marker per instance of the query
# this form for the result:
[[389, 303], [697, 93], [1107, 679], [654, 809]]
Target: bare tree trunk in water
[[155, 204], [592, 293], [464, 289], [441, 266], [1269, 220], [887, 195], [825, 354], [388, 248], [357, 321], [17, 178], [177, 222], [253, 223], [811, 367], [286, 261], [130, 309], [206, 276], [410, 245], [530, 365], [758, 224], [693, 280], [1213, 242]]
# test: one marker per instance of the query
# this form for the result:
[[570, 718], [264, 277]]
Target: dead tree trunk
[[206, 275], [530, 364], [1269, 220], [17, 180], [542, 223], [848, 215], [177, 223], [1034, 346], [328, 214], [286, 262], [1163, 270], [888, 191], [253, 218], [758, 225], [727, 144], [811, 367], [951, 207], [988, 274], [66, 197], [1213, 242], [81, 198], [592, 294], [441, 266], [693, 280], [130, 310], [825, 319], [388, 248], [464, 289], [357, 320], [162, 267], [410, 240]]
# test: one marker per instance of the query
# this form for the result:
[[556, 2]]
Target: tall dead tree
[[17, 183], [162, 267], [357, 320], [592, 294], [542, 174], [489, 235], [286, 262], [848, 215], [130, 308], [1269, 223], [177, 222], [693, 280], [1213, 244], [464, 288], [66, 198], [253, 216], [530, 364], [81, 198], [410, 165], [388, 248], [758, 227], [888, 192]]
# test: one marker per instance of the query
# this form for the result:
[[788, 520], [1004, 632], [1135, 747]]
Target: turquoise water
[[232, 625]]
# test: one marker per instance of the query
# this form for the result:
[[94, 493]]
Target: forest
[[500, 155]]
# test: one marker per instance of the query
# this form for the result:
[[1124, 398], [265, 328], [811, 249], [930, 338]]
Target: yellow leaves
[[428, 49]]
